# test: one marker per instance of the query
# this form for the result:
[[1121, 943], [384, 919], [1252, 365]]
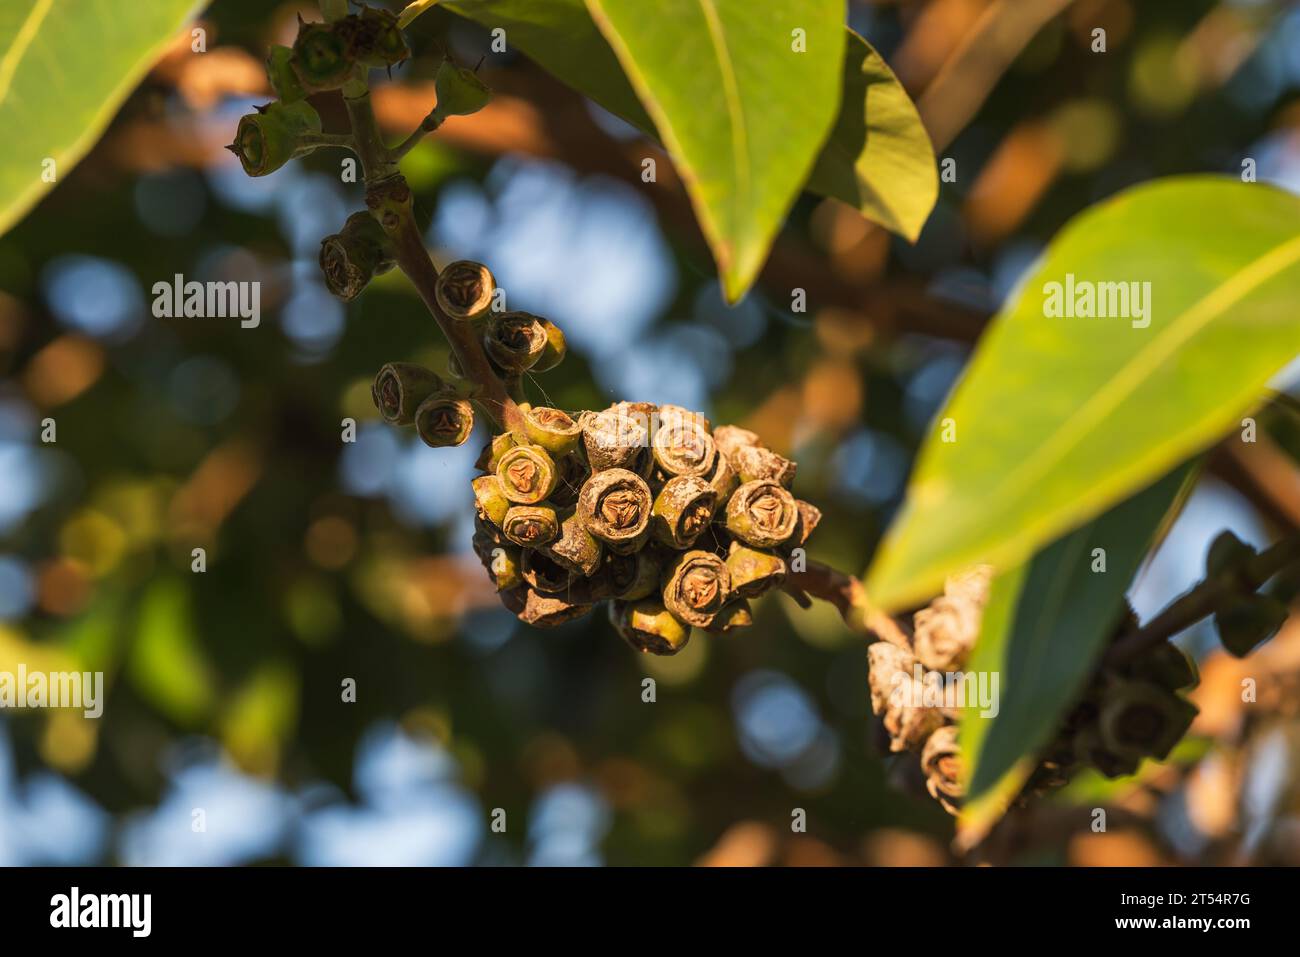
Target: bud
[[322, 57], [633, 576], [761, 513], [492, 452], [615, 506], [279, 70], [351, 258], [399, 388], [444, 419], [272, 136], [682, 510], [460, 93], [649, 627], [575, 547], [683, 447], [753, 572], [530, 525], [696, 586], [543, 611], [464, 290], [941, 763], [490, 501], [552, 429], [1246, 621], [514, 341], [527, 474], [735, 614], [613, 440], [755, 463], [554, 351]]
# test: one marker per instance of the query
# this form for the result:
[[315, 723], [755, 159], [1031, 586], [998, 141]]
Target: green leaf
[[413, 10], [883, 167], [65, 68], [1056, 419], [1045, 626], [741, 108], [878, 158]]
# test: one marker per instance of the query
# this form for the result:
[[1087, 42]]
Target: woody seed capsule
[[464, 290], [649, 627], [762, 514], [552, 429], [696, 587], [527, 474], [682, 510], [444, 419], [614, 506], [490, 501], [530, 525], [514, 340], [399, 388]]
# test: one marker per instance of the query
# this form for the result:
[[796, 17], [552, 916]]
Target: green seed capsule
[[490, 501], [555, 349], [531, 525], [755, 463], [735, 614], [492, 452], [460, 93], [279, 70], [272, 136], [682, 510], [575, 547], [613, 440], [399, 388], [649, 627], [552, 429], [444, 419], [682, 447], [696, 587], [615, 506], [351, 258], [542, 610], [322, 56], [376, 39], [464, 290], [634, 576], [527, 473], [752, 571], [514, 340], [762, 514]]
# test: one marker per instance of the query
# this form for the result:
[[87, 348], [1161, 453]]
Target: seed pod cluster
[[1126, 714], [676, 524]]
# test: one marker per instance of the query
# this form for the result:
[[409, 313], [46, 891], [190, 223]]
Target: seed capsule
[[501, 559], [729, 438], [352, 257], [1247, 621], [269, 138], [1167, 665], [492, 452], [279, 70], [530, 525], [615, 506], [755, 463], [613, 440], [810, 516], [464, 290], [544, 573], [514, 340], [680, 415], [490, 501], [322, 57], [762, 514], [649, 627], [941, 762], [444, 419], [527, 474], [571, 473], [753, 572], [399, 388], [696, 586], [683, 447], [555, 349], [632, 577], [1139, 719], [735, 614], [460, 93], [552, 429], [575, 547], [724, 480], [544, 611], [376, 38], [682, 510]]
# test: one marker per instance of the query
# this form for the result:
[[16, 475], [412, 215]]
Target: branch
[[848, 595]]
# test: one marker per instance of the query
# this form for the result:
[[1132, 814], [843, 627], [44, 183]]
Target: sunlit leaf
[[413, 10]]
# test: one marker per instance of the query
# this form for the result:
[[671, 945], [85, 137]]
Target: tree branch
[[848, 595]]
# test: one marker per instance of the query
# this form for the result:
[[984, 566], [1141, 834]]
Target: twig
[[849, 596]]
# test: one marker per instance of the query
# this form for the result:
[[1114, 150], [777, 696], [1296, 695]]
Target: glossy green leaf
[[742, 101], [1056, 419], [877, 157], [65, 68], [1044, 629]]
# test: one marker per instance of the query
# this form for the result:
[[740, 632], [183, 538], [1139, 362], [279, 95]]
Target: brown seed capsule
[[530, 525], [945, 632], [649, 627], [514, 340], [544, 573], [941, 762], [735, 614], [810, 516], [615, 506], [492, 452], [753, 572], [632, 577], [696, 586], [501, 559], [729, 438], [682, 447], [399, 388], [542, 610], [527, 473], [1167, 665], [464, 290], [682, 510], [490, 501], [755, 463], [575, 547], [613, 440], [680, 415], [723, 481], [884, 662], [444, 419], [762, 514], [350, 258], [554, 351], [552, 429]]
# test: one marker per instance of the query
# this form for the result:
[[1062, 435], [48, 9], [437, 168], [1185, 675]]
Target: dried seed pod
[[884, 662], [464, 290], [762, 514], [615, 506], [810, 516], [729, 438], [555, 349], [1139, 719], [1166, 665], [349, 259], [571, 472], [514, 340], [575, 547], [269, 138], [399, 388], [613, 440], [544, 573], [632, 577], [527, 473], [322, 56], [941, 763], [491, 455], [490, 501], [945, 632], [680, 415], [752, 571], [734, 614], [530, 525], [502, 560], [696, 586], [682, 510], [444, 419], [542, 610], [460, 93], [681, 446], [649, 627], [755, 463], [552, 429]]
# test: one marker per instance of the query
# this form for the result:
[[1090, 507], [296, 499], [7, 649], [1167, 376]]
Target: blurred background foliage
[[329, 560]]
